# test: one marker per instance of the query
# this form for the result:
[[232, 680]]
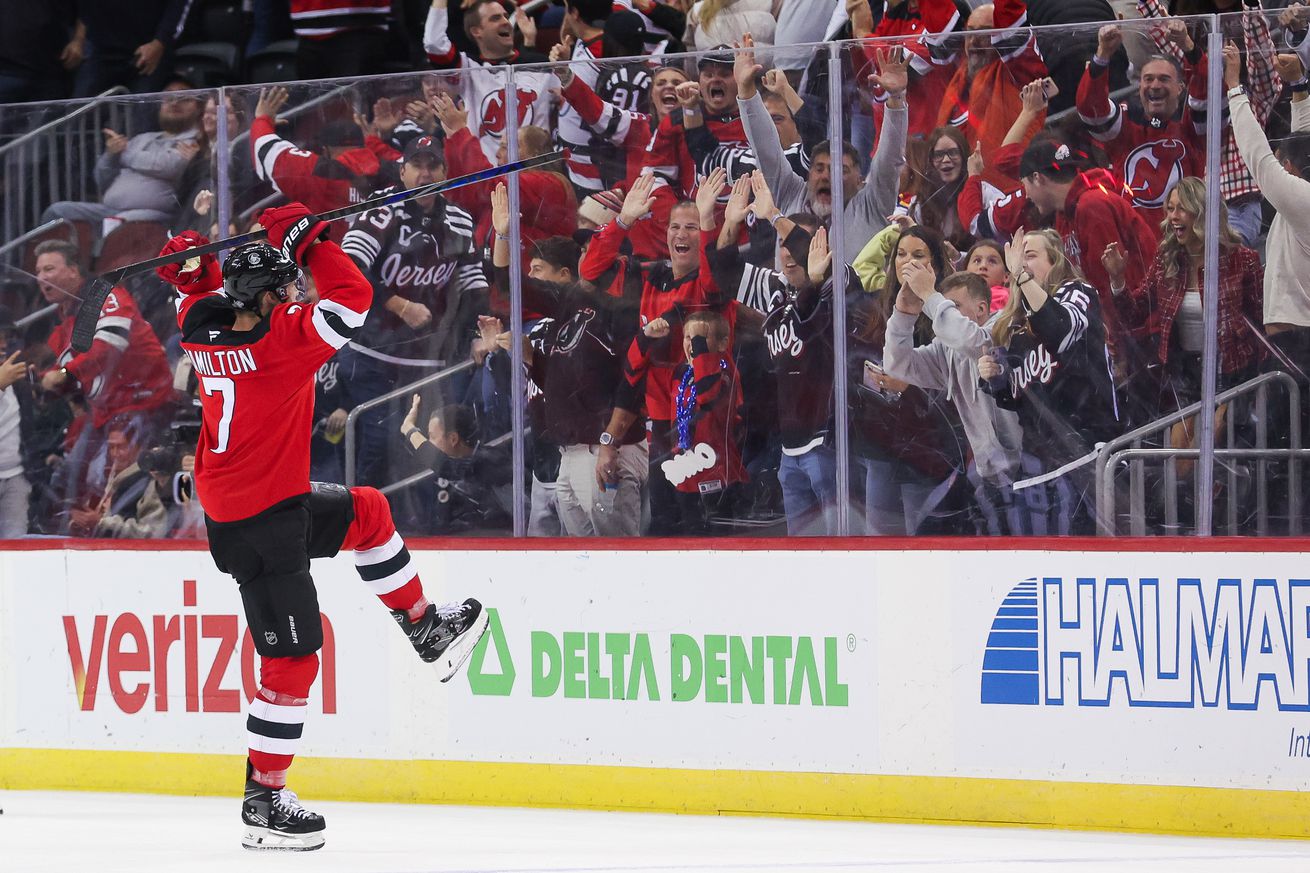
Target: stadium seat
[[128, 243], [208, 64], [224, 22], [275, 63]]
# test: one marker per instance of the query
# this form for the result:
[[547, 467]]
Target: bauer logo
[[674, 668], [1185, 643]]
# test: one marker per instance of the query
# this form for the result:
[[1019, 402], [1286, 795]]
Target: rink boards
[[937, 681]]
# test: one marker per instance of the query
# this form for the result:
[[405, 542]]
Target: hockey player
[[255, 346]]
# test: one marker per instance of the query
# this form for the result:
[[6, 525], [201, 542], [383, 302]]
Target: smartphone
[[1049, 88]]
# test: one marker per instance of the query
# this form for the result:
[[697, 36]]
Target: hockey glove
[[292, 228], [195, 276]]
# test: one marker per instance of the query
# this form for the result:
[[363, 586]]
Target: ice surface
[[52, 832]]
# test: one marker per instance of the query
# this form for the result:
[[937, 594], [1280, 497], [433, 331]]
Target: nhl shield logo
[[270, 638]]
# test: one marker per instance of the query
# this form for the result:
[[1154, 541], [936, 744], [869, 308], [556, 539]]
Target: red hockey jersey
[[257, 386], [1149, 155], [321, 184], [125, 370], [319, 19]]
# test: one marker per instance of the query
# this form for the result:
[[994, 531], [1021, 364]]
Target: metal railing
[[351, 440], [1130, 450], [53, 161]]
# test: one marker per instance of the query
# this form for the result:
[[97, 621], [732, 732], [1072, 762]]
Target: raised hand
[[738, 201], [1109, 39], [385, 117], [419, 112], [452, 118], [688, 94], [500, 209], [975, 165], [271, 101], [708, 191], [560, 54], [1014, 253], [637, 204], [1232, 65], [1289, 68], [1114, 262], [820, 256], [763, 207], [1176, 32], [744, 68], [919, 278], [1033, 96], [656, 328], [893, 70]]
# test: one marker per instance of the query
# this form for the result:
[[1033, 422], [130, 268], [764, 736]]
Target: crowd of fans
[[1022, 215]]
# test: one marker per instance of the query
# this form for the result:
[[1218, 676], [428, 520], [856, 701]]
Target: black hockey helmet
[[252, 269]]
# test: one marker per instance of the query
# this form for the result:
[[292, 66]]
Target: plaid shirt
[[1262, 87], [1241, 305]]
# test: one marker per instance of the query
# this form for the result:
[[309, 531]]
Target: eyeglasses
[[945, 155]]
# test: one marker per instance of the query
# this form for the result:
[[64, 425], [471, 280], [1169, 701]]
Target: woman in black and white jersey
[[1051, 365]]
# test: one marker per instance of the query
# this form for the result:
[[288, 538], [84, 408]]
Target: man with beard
[[138, 177], [1152, 146], [867, 201], [482, 79], [983, 95]]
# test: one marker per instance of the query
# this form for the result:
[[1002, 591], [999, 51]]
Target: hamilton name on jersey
[[223, 362]]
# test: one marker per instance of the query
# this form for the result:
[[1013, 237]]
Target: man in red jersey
[[255, 347]]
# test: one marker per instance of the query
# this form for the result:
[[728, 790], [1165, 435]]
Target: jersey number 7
[[227, 389]]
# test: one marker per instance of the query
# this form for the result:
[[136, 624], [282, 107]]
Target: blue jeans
[[809, 492], [896, 498]]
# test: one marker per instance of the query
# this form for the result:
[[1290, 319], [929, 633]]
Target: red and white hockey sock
[[389, 573], [381, 558], [276, 718]]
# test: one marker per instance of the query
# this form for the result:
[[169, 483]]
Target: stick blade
[[88, 314]]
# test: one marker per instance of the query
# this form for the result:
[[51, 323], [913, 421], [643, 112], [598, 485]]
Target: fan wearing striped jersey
[[255, 341], [428, 288]]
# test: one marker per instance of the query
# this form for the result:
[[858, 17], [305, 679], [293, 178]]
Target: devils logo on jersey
[[1152, 168], [493, 110]]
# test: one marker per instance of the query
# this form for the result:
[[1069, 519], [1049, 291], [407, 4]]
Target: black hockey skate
[[274, 819], [446, 635]]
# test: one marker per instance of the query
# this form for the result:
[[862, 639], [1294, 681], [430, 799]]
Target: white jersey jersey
[[482, 86]]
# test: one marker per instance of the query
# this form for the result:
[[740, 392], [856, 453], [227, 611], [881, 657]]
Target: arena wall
[[1084, 685]]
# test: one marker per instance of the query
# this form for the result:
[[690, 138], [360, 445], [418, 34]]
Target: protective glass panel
[[410, 405], [982, 385], [96, 442], [694, 341]]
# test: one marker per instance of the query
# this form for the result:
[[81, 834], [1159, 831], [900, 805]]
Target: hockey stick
[[88, 314]]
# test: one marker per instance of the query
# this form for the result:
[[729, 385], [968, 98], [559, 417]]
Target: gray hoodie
[[950, 362], [866, 213]]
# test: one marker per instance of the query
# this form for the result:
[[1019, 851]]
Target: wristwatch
[[606, 438], [1235, 91]]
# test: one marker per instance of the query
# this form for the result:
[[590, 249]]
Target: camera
[[167, 461]]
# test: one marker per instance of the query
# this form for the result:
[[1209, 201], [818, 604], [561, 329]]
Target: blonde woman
[[1170, 297], [1050, 363]]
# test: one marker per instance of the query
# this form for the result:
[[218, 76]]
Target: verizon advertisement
[[646, 659]]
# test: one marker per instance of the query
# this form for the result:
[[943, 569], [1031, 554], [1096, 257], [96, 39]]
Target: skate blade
[[458, 652], [265, 840]]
